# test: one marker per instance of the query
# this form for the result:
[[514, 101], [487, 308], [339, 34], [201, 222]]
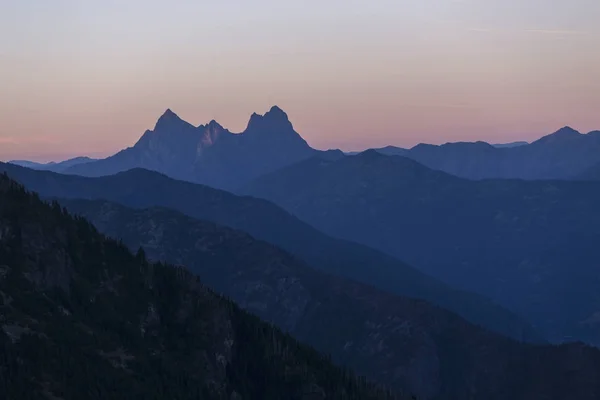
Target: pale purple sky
[[81, 77]]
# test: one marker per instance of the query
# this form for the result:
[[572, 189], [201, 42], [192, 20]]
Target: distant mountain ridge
[[209, 154], [60, 166], [564, 154], [560, 155], [401, 151], [511, 144], [212, 155], [530, 245]]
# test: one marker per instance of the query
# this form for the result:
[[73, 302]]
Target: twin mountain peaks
[[170, 128], [209, 154], [274, 121]]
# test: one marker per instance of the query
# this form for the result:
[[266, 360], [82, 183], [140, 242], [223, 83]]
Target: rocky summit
[[209, 154]]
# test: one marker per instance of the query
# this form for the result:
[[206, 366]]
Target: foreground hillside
[[141, 189], [82, 318], [400, 342], [530, 245]]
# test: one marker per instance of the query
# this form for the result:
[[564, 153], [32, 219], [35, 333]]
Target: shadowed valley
[[530, 245], [262, 219]]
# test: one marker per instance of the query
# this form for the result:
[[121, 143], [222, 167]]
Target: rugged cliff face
[[209, 154], [82, 318]]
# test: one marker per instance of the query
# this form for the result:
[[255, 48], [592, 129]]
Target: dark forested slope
[[264, 220], [403, 343], [82, 318]]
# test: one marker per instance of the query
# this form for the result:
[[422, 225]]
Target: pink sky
[[81, 79]]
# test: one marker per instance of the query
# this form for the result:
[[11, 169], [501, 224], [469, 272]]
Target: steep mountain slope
[[82, 318], [53, 166], [141, 189], [531, 246], [403, 343], [560, 155], [209, 154]]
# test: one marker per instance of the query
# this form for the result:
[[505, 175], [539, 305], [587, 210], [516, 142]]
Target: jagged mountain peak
[[276, 112], [168, 115], [168, 112], [214, 124], [211, 133], [170, 131], [169, 120], [273, 120]]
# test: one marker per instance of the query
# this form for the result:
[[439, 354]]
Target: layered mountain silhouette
[[400, 151], [141, 188], [561, 155], [53, 166], [405, 344], [564, 154], [530, 245], [83, 318], [209, 154], [503, 237], [212, 155]]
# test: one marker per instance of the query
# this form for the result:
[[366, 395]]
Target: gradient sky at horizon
[[87, 78]]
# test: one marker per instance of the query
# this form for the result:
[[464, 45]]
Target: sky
[[88, 78]]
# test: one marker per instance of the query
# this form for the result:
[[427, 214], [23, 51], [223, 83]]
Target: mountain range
[[212, 155], [529, 245], [83, 318], [407, 345], [499, 254], [263, 220], [61, 166], [400, 151], [209, 154], [563, 154]]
